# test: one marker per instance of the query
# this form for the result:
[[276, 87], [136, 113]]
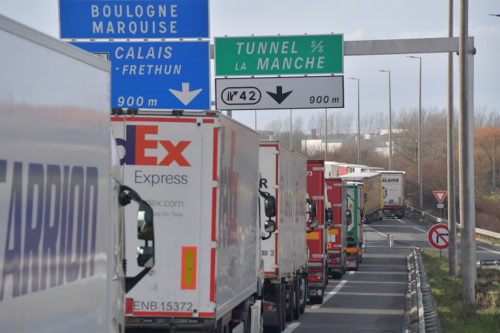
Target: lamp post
[[420, 178], [390, 119], [359, 126]]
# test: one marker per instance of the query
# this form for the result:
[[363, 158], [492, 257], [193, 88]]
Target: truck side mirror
[[311, 208], [145, 231], [270, 206], [348, 216], [329, 217], [270, 211]]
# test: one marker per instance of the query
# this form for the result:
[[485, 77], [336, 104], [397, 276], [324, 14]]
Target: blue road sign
[[157, 75], [134, 18]]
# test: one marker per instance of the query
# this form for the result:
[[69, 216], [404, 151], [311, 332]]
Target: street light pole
[[452, 215], [420, 178], [390, 118], [359, 126]]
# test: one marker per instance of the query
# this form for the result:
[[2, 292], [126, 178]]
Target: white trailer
[[284, 253], [199, 171], [393, 192], [61, 236]]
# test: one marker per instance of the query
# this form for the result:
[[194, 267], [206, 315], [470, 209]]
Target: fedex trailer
[[284, 252], [61, 231], [199, 171]]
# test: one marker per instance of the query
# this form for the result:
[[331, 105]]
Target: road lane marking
[[401, 221], [290, 328], [378, 232], [487, 250], [330, 294], [422, 230]]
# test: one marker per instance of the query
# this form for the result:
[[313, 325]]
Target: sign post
[[172, 74], [279, 55], [279, 93], [440, 195], [438, 237], [157, 75], [97, 19]]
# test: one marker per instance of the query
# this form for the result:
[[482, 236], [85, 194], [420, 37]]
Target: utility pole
[[326, 135], [452, 227], [419, 158], [494, 167], [466, 152], [359, 126], [390, 118]]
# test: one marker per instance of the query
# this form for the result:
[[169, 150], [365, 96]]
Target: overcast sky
[[357, 20]]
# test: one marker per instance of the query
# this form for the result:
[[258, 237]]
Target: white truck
[[61, 232], [393, 192], [284, 253], [199, 171]]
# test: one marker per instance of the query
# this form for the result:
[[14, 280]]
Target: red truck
[[337, 235], [316, 237]]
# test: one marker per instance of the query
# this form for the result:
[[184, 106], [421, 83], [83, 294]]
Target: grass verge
[[455, 316]]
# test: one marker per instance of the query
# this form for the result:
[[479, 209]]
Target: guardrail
[[484, 233]]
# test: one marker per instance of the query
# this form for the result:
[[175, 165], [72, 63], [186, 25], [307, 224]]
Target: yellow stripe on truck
[[312, 235], [188, 278]]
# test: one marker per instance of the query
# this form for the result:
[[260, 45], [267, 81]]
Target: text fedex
[[48, 225], [142, 147]]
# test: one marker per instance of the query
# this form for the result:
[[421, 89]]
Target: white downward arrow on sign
[[185, 96]]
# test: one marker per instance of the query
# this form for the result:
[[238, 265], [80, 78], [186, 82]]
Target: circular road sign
[[438, 236]]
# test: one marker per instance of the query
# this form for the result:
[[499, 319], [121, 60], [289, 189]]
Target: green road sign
[[277, 55]]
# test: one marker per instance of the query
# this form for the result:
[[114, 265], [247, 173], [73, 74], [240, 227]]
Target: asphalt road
[[372, 299]]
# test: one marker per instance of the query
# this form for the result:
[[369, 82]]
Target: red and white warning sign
[[438, 236], [440, 195]]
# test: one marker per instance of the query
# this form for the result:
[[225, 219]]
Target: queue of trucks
[[228, 233]]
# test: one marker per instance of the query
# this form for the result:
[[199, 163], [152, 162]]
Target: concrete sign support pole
[[420, 177], [419, 157], [326, 134], [359, 121], [390, 125], [466, 152], [291, 128], [452, 229], [255, 119]]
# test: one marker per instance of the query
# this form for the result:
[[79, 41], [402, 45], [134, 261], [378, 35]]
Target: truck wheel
[[317, 299], [296, 305], [291, 303], [357, 264], [304, 295], [283, 306]]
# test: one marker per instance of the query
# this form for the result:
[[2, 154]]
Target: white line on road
[[401, 221], [487, 250], [378, 232], [330, 294], [424, 231], [290, 328]]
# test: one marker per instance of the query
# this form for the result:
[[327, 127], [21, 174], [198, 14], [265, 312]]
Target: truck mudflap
[[394, 210], [336, 266], [189, 323], [316, 274], [352, 259]]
